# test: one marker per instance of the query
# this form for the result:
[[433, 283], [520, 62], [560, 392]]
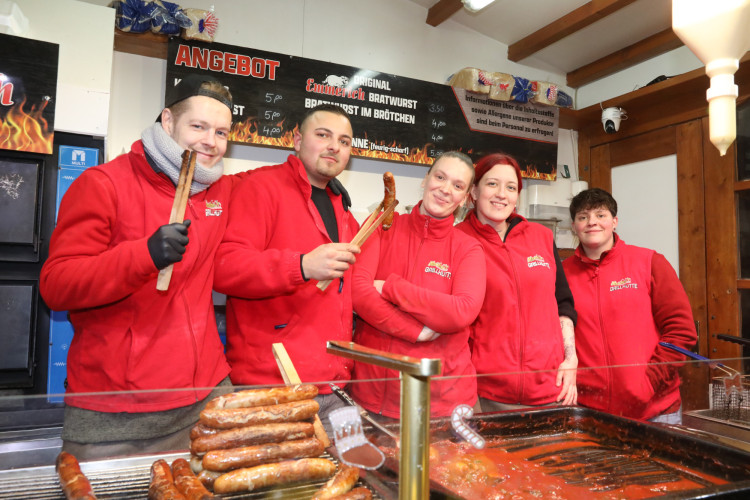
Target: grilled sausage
[[250, 435], [360, 493], [389, 184], [343, 481], [208, 477], [294, 411], [250, 456], [281, 473], [263, 397], [188, 484], [200, 430], [73, 482], [196, 464], [162, 483]]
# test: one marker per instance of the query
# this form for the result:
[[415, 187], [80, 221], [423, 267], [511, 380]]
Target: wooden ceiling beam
[[442, 10], [647, 48], [568, 24]]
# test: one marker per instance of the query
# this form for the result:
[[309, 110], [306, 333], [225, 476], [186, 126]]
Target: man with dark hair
[[628, 299], [111, 240], [289, 228]]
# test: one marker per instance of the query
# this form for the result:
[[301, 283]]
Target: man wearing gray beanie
[[112, 238]]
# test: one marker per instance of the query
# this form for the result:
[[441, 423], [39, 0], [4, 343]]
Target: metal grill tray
[[125, 478], [710, 421], [659, 441]]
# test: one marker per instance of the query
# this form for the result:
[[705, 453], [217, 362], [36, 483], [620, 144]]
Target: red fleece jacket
[[273, 222], [434, 276], [517, 340], [128, 336], [627, 302]]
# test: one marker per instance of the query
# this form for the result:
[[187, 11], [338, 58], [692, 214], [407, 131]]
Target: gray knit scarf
[[167, 156]]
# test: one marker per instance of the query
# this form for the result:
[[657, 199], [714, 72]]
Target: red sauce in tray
[[563, 466]]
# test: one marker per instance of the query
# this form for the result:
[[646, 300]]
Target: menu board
[[393, 118], [28, 82]]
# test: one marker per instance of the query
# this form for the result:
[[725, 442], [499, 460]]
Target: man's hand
[[168, 243], [329, 261]]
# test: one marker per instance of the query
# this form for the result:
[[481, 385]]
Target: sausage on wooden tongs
[[73, 482], [376, 218]]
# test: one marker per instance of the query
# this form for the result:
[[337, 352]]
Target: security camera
[[611, 119]]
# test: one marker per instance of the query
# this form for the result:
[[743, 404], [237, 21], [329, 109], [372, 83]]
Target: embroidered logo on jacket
[[537, 260], [213, 208], [622, 284], [438, 268]]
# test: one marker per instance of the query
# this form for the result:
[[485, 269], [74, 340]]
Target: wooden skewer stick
[[368, 227], [289, 374], [181, 196]]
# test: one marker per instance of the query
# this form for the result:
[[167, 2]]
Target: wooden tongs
[[373, 220], [178, 208], [289, 374]]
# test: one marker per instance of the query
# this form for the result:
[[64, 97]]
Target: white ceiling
[[509, 21]]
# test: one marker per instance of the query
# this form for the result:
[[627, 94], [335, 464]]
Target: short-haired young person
[[628, 299]]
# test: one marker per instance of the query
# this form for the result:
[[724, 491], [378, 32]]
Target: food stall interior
[[549, 452]]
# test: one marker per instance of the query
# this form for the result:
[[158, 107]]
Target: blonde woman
[[416, 289]]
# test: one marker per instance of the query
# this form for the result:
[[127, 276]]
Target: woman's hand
[[427, 334], [566, 376], [378, 284], [566, 372]]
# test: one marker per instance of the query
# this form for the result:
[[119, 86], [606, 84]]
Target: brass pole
[[414, 463]]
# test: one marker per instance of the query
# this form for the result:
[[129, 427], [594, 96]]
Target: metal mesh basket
[[730, 398]]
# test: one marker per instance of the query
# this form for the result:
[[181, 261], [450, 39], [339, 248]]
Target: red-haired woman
[[523, 339]]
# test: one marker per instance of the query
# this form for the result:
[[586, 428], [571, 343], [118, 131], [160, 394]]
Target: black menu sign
[[393, 118], [28, 82]]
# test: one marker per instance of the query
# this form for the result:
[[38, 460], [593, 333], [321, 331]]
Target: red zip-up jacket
[[434, 276], [128, 336], [627, 302], [273, 222], [517, 337]]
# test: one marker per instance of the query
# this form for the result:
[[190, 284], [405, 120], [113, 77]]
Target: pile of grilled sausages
[[263, 438], [244, 441]]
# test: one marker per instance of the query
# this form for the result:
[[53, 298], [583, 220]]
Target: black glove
[[338, 189], [167, 244]]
